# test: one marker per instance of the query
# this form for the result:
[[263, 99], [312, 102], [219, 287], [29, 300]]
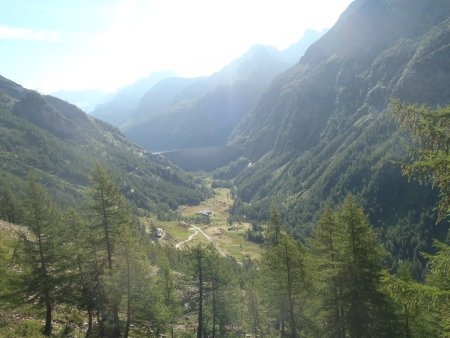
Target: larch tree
[[40, 251], [366, 311], [254, 309], [108, 217], [286, 282], [221, 293], [198, 258], [325, 251], [430, 164], [275, 228], [83, 272], [169, 288]]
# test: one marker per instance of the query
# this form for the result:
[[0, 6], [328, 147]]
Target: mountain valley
[[295, 193]]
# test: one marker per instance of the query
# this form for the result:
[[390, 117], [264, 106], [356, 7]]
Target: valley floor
[[194, 228]]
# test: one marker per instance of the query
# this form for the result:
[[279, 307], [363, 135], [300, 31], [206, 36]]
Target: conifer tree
[[365, 309], [41, 273], [430, 164], [326, 266], [284, 268], [198, 259], [275, 228], [220, 292], [415, 319], [108, 217], [254, 308], [127, 275], [168, 287], [83, 273]]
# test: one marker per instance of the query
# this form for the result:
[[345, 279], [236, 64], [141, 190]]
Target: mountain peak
[[368, 25]]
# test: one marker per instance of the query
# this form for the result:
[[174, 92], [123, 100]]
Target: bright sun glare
[[192, 38]]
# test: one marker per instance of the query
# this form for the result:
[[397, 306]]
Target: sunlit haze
[[104, 44]]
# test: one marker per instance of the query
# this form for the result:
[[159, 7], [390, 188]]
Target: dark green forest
[[62, 143], [95, 270]]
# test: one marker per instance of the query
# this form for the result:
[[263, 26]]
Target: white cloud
[[16, 33]]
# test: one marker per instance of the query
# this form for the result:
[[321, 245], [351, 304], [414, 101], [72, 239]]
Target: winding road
[[177, 246], [208, 237]]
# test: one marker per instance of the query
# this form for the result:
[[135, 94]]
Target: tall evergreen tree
[[430, 164], [275, 228], [168, 286], [198, 258], [108, 216], [221, 292], [366, 311], [41, 273], [415, 317], [326, 266], [284, 268], [83, 272], [254, 309]]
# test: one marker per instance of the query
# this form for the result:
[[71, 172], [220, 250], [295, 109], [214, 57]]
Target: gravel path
[[208, 237]]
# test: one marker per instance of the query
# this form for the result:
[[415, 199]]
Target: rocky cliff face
[[323, 127]]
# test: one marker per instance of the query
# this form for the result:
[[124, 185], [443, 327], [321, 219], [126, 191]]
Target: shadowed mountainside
[[323, 128]]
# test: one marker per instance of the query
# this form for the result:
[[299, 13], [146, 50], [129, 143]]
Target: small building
[[159, 232], [205, 213]]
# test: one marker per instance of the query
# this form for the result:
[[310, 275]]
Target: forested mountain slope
[[60, 144], [202, 112], [205, 112], [323, 128]]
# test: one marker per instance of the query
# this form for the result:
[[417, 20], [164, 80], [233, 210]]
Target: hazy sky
[[103, 44]]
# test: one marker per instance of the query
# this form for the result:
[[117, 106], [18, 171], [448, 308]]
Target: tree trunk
[[254, 312], [200, 296], [101, 322], [106, 230], [214, 309], [89, 330], [115, 330], [48, 319], [115, 333], [127, 325], [292, 322]]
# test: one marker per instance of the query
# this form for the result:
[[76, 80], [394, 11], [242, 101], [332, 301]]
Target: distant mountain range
[[122, 104], [198, 112], [323, 128], [59, 143]]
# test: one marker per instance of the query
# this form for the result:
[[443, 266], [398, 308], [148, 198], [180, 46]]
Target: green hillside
[[60, 144]]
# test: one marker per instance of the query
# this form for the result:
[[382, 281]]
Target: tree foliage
[[430, 156], [42, 274], [348, 260]]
